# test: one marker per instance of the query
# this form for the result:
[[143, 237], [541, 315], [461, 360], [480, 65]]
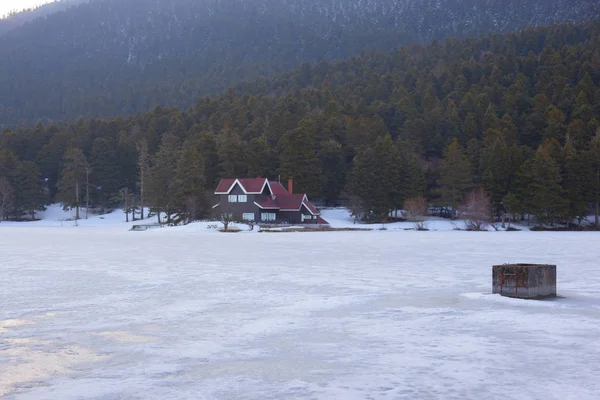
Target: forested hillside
[[517, 114], [16, 19], [119, 57]]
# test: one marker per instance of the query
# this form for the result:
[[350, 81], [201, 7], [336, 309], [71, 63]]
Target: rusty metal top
[[526, 265]]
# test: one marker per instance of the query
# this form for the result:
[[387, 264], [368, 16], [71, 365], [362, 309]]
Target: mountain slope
[[114, 57], [521, 111], [17, 19]]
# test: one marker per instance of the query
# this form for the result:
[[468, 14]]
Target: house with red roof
[[263, 201]]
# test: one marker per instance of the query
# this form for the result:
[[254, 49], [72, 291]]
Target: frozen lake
[[103, 313]]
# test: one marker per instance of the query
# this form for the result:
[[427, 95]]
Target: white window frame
[[242, 198], [268, 217], [248, 216], [232, 198]]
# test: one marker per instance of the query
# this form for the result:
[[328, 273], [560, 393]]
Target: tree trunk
[[158, 214], [77, 200], [87, 192], [142, 197], [597, 216]]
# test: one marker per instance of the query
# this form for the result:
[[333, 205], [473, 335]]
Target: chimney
[[291, 186]]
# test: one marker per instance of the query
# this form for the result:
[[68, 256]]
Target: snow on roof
[[248, 185]]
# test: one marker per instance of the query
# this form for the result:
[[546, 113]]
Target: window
[[248, 216], [233, 198], [242, 198], [267, 216]]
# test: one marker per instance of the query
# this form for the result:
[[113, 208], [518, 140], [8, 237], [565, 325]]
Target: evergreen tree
[[545, 197], [6, 197], [593, 176], [72, 184], [298, 160], [143, 163], [331, 156], [208, 146], [375, 179], [230, 150], [456, 177], [161, 182], [260, 158], [29, 191], [573, 182], [189, 181], [106, 174], [500, 164]]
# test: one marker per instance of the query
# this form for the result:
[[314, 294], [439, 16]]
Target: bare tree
[[357, 208], [416, 209], [127, 200], [226, 219], [477, 209], [6, 196]]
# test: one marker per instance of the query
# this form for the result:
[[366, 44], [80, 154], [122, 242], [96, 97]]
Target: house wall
[[238, 209], [290, 217], [295, 217]]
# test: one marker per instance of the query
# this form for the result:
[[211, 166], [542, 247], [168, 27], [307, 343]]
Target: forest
[[104, 58], [516, 115]]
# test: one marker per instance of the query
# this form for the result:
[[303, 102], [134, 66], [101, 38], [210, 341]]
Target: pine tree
[[331, 156], [29, 191], [573, 182], [6, 197], [189, 182], [545, 197], [143, 163], [231, 154], [260, 158], [375, 179], [161, 182], [106, 173], [592, 187], [298, 160], [456, 176], [208, 146], [499, 164], [71, 187]]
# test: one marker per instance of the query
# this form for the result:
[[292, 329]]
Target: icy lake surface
[[103, 313]]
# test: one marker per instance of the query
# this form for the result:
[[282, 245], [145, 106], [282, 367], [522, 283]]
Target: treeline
[[516, 114]]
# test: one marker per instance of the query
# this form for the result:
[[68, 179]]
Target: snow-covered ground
[[99, 312]]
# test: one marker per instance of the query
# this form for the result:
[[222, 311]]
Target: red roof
[[224, 185], [281, 200], [290, 201], [268, 203], [321, 221], [249, 185], [277, 189], [310, 207]]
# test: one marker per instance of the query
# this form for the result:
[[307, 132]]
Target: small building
[[524, 281], [263, 201]]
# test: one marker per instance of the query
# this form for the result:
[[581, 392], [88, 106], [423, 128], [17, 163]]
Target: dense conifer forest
[[103, 58], [517, 114]]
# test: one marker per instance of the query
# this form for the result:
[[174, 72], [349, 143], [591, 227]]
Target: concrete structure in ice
[[525, 281]]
